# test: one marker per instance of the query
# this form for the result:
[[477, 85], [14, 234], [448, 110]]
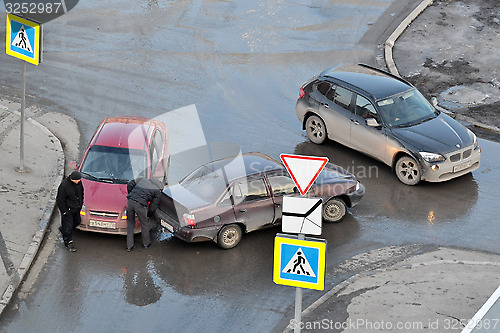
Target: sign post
[[304, 266], [23, 41]]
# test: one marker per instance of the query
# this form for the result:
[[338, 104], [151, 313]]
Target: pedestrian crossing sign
[[23, 39], [299, 263]]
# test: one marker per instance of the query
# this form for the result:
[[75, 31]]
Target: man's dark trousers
[[69, 221], [133, 208]]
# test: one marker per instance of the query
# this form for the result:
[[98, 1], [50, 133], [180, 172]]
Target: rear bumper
[[188, 234]]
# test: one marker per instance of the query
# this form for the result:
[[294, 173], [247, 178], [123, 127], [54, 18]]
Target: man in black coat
[[70, 201], [143, 198]]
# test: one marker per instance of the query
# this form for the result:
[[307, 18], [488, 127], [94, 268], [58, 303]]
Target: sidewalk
[[26, 199], [434, 292]]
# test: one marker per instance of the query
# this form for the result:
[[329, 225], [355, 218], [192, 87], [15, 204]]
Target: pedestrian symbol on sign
[[299, 265], [21, 40]]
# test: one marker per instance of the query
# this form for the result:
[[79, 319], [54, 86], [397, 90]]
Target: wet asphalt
[[241, 64]]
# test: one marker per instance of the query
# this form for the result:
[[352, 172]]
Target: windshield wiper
[[89, 176], [113, 180], [424, 120]]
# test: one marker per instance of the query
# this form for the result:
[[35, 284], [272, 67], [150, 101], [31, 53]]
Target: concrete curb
[[389, 61], [344, 284], [37, 239]]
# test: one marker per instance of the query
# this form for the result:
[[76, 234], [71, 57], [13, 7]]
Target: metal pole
[[23, 104], [298, 301]]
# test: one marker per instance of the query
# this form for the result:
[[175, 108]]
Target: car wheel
[[408, 170], [316, 129], [334, 210], [229, 236]]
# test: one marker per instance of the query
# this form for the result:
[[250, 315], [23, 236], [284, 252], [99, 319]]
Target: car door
[[335, 111], [281, 185], [253, 206], [367, 139]]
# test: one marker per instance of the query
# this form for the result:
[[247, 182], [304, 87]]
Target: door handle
[[277, 204], [243, 210], [355, 121], [325, 105]]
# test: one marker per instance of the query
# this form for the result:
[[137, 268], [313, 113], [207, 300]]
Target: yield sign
[[303, 169]]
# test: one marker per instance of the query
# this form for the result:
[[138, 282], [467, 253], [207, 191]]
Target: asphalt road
[[241, 64]]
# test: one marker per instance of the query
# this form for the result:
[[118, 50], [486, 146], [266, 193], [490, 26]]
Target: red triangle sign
[[303, 169]]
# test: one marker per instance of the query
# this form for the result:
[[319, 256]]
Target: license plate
[[167, 226], [462, 166], [102, 224]]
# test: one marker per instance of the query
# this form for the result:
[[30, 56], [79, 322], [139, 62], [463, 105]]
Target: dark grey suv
[[386, 117]]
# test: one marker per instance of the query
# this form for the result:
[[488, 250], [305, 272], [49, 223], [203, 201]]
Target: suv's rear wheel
[[229, 236], [408, 170], [315, 129]]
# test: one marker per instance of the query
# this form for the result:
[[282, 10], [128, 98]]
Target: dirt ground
[[451, 52]]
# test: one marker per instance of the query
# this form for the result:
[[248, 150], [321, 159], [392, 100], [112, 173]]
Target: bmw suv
[[386, 117]]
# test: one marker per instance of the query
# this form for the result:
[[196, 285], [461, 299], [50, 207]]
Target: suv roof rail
[[399, 78]]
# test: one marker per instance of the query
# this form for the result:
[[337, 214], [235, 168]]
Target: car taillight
[[189, 219], [301, 92]]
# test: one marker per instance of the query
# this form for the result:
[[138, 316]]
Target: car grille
[[104, 214], [456, 157]]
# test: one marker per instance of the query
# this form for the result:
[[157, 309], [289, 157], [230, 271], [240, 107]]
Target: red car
[[122, 148]]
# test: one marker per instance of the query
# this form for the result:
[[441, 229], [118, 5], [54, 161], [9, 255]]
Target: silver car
[[386, 117]]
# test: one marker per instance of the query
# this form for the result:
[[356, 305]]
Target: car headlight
[[475, 140], [83, 211], [432, 157]]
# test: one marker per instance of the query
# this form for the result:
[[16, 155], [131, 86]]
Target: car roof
[[124, 132], [377, 83], [245, 165]]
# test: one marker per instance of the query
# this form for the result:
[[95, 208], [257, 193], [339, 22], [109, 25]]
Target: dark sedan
[[223, 199]]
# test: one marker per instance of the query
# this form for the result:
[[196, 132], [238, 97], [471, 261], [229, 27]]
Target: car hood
[[104, 197], [333, 173], [439, 135], [184, 197]]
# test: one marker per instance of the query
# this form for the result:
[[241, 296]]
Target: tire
[[408, 170], [334, 210], [316, 129], [229, 236]]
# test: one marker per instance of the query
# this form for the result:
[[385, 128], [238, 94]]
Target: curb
[[37, 239], [344, 284], [389, 61]]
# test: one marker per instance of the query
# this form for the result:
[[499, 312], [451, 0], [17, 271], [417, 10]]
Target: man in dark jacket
[[143, 198], [70, 201]]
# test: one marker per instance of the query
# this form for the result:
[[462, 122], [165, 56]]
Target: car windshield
[[113, 165], [205, 183], [406, 109]]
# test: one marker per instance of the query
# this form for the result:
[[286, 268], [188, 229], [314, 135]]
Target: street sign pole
[[23, 105], [23, 41], [298, 301]]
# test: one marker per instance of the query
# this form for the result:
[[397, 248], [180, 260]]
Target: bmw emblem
[[457, 145]]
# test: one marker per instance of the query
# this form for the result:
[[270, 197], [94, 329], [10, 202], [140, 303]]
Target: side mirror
[[73, 165], [372, 122], [295, 189], [434, 101]]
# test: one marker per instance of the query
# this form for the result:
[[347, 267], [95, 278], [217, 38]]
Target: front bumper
[[449, 169], [116, 226]]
